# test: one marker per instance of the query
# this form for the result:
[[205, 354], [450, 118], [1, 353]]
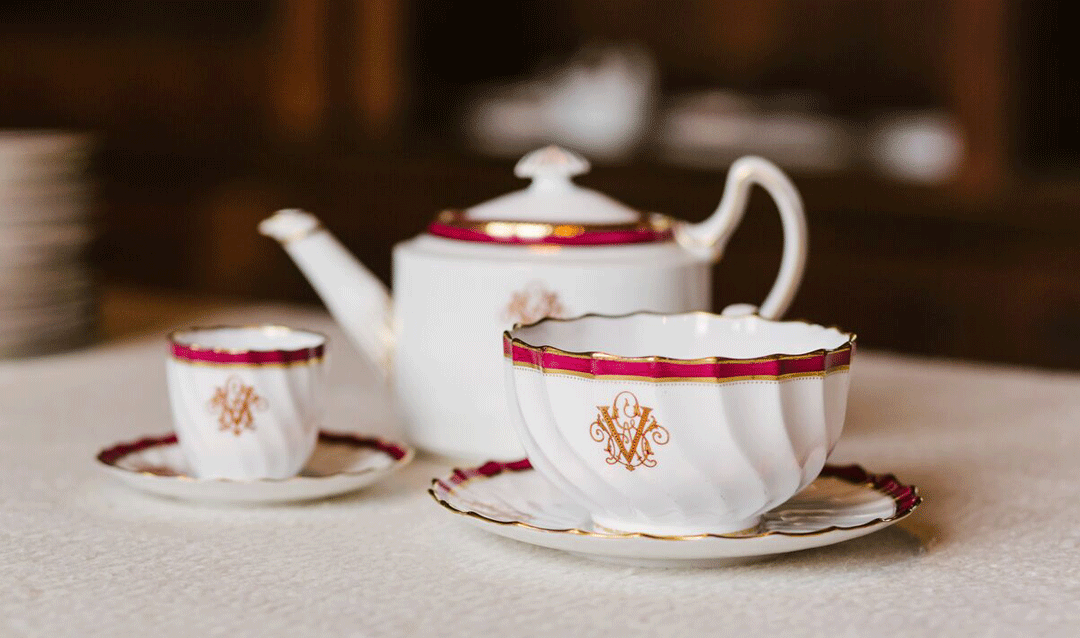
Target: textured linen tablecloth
[[994, 549]]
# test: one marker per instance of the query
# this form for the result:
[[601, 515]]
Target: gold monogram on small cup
[[628, 431], [234, 404]]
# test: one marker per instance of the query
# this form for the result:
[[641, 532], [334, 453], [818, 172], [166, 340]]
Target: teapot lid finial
[[551, 163], [552, 210]]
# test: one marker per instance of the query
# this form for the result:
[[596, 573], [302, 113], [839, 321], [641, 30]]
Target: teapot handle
[[709, 237]]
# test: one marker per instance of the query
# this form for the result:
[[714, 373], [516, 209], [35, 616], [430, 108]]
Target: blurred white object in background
[[709, 129], [600, 104], [47, 294], [921, 146]]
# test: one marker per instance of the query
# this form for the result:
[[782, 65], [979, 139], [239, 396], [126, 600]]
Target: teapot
[[551, 249]]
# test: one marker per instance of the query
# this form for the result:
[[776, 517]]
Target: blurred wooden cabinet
[[222, 78], [213, 113], [211, 77]]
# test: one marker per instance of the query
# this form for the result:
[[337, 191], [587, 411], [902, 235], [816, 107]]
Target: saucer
[[341, 463], [515, 501]]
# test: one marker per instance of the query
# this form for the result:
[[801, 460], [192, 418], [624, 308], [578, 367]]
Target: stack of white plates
[[47, 294]]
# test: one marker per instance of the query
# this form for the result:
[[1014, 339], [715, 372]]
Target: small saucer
[[341, 463], [513, 500]]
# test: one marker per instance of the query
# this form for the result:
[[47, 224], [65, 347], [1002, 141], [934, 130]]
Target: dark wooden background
[[211, 115]]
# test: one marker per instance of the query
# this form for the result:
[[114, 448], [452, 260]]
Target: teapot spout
[[354, 295]]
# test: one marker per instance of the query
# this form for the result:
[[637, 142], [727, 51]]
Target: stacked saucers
[[47, 300]]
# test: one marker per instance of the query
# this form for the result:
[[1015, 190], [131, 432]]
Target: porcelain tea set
[[620, 421]]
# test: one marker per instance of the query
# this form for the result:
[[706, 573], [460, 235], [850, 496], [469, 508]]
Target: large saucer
[[515, 501], [341, 463]]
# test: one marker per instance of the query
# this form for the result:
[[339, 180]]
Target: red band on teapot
[[454, 225]]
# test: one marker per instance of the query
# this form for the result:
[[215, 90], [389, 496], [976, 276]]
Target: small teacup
[[679, 424], [247, 402]]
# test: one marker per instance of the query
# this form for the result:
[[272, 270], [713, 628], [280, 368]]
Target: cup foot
[[696, 528]]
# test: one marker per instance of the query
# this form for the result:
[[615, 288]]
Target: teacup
[[678, 424], [247, 402]]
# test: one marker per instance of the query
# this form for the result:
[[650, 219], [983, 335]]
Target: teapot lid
[[552, 210]]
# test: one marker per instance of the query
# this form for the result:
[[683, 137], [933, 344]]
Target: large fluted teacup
[[678, 424]]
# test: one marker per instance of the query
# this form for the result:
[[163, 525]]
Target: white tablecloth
[[994, 550]]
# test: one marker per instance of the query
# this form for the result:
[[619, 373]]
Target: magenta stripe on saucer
[[187, 353], [905, 497], [111, 455], [586, 238], [724, 369]]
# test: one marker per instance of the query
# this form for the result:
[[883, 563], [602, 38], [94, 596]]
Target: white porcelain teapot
[[551, 249]]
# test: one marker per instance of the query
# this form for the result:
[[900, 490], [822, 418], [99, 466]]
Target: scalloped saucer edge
[[341, 463], [515, 501]]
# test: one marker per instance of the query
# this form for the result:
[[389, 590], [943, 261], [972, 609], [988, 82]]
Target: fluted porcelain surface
[[341, 463], [513, 500], [652, 443], [248, 411]]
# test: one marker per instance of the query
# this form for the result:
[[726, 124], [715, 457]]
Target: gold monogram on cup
[[628, 431], [234, 403]]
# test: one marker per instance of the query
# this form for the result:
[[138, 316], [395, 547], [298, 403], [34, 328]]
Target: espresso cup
[[247, 402], [682, 424]]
